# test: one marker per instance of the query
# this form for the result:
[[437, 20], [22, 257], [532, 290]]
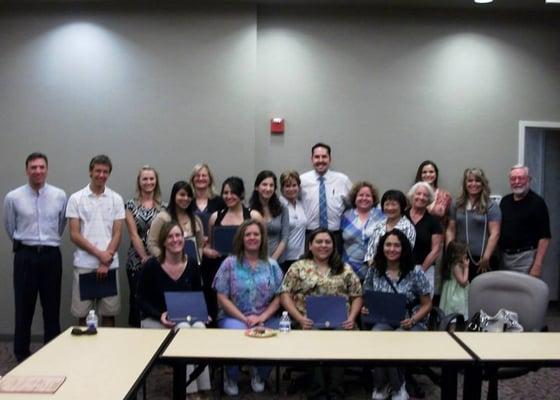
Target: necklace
[[477, 263]]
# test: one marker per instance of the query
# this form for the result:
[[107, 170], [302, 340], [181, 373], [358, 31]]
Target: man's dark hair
[[323, 145], [35, 155], [101, 159]]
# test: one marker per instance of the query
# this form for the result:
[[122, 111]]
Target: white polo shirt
[[337, 186], [97, 215]]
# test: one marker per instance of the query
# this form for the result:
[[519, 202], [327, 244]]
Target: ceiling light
[[483, 1]]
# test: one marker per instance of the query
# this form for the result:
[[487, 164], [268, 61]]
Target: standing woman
[[233, 193], [169, 272], [140, 211], [205, 201], [289, 184], [321, 272], [247, 284], [275, 216], [394, 273], [475, 219], [429, 235], [393, 204], [439, 207], [357, 225], [177, 210]]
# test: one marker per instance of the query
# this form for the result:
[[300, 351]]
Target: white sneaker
[[257, 384], [402, 394], [230, 386], [380, 394]]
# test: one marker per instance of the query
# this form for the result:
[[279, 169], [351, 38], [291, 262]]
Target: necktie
[[323, 219]]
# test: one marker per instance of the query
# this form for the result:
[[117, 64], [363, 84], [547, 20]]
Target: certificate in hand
[[186, 306], [388, 308], [93, 288], [222, 238], [326, 311], [191, 250]]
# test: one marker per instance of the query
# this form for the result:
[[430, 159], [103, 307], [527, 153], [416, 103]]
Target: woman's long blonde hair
[[484, 200]]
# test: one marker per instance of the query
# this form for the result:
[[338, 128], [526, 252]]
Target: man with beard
[[525, 230]]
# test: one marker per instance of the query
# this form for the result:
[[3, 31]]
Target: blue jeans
[[392, 376], [233, 323]]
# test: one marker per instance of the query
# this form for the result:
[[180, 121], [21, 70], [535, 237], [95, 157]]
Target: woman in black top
[[429, 234], [206, 202], [233, 193], [170, 272]]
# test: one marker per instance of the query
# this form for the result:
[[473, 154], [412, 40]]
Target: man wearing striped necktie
[[323, 193]]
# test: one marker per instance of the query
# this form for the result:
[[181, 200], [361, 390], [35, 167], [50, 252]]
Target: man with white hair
[[525, 231]]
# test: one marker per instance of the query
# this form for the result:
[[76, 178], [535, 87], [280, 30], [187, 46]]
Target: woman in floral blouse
[[247, 284], [394, 273], [321, 272]]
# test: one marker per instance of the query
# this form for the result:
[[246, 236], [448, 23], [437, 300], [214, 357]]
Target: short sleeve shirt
[[97, 215], [250, 289], [303, 279]]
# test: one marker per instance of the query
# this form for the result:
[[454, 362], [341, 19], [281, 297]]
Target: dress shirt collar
[[325, 175], [90, 193], [36, 192]]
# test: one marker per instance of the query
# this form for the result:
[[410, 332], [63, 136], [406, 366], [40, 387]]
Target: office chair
[[514, 291]]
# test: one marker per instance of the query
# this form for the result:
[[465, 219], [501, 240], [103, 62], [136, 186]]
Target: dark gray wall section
[[172, 88]]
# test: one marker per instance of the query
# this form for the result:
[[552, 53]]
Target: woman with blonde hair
[[206, 201], [140, 212], [475, 219]]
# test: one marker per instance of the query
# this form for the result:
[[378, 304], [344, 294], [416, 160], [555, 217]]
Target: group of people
[[322, 235]]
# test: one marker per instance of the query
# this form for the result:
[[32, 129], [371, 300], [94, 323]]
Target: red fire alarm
[[277, 125]]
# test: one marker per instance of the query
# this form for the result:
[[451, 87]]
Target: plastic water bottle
[[91, 320], [285, 324]]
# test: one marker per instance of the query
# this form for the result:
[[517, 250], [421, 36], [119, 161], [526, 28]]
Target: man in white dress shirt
[[323, 193], [34, 220], [96, 215]]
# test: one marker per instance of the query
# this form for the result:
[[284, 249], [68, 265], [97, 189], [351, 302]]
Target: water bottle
[[285, 324], [91, 321]]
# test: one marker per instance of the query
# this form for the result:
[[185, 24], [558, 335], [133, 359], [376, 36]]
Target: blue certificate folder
[[92, 288], [222, 238], [191, 250], [326, 311], [389, 308], [186, 306]]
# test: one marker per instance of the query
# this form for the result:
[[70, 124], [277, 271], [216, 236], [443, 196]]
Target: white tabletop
[[102, 366], [301, 346], [508, 346]]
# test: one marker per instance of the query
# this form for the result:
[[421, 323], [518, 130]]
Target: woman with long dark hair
[[177, 210], [394, 273], [275, 216], [321, 272]]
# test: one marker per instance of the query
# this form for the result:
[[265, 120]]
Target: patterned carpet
[[542, 384]]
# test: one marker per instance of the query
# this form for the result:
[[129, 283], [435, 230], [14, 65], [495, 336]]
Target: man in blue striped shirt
[[34, 220]]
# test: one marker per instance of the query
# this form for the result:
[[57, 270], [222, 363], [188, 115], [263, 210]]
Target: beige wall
[[172, 88]]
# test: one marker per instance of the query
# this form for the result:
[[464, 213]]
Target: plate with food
[[260, 332]]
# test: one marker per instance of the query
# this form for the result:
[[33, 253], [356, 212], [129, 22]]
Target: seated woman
[[393, 204], [357, 225], [247, 284], [169, 272], [321, 272], [234, 213], [394, 273]]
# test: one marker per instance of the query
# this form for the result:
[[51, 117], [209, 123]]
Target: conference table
[[495, 350], [312, 348], [108, 365]]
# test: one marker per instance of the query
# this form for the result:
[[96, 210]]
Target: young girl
[[455, 293]]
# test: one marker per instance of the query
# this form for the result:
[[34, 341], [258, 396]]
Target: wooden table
[[495, 350], [109, 365], [308, 348]]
